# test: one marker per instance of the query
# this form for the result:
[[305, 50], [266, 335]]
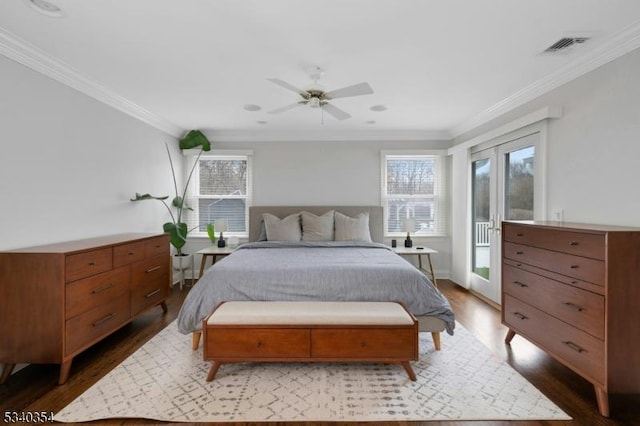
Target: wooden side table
[[212, 252], [415, 251]]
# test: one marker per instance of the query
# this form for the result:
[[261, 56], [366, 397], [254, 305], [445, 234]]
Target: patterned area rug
[[165, 380]]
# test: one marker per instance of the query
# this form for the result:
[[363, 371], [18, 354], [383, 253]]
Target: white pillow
[[287, 229], [352, 228], [317, 228]]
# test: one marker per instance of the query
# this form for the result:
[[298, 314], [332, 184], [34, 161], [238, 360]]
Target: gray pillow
[[317, 228], [287, 229], [352, 228]]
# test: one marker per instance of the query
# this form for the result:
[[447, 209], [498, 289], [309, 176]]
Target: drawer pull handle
[[519, 252], [103, 319], [130, 253], [92, 263], [573, 243], [101, 289], [153, 293], [258, 344], [574, 347], [519, 234], [574, 282], [155, 268], [519, 316], [572, 306], [518, 283], [574, 266]]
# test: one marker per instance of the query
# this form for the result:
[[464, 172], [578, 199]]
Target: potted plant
[[176, 228]]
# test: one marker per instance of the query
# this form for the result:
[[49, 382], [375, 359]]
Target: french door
[[503, 187]]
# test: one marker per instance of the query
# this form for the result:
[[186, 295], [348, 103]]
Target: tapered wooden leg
[[408, 369], [510, 335], [195, 342], [65, 367], [436, 340], [6, 372], [213, 370], [603, 401], [164, 307]]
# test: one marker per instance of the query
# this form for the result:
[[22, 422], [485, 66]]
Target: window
[[413, 187], [221, 188]]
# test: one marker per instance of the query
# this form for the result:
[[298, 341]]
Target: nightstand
[[214, 253], [415, 251]]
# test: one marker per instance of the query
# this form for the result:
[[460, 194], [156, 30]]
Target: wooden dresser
[[57, 300], [574, 291]]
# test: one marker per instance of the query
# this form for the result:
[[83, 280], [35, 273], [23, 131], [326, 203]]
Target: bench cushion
[[311, 313]]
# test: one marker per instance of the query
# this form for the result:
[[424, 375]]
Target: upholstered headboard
[[375, 216]]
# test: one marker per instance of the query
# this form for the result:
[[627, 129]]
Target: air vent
[[564, 43]]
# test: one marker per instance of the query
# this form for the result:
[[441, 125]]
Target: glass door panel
[[519, 180], [481, 214]]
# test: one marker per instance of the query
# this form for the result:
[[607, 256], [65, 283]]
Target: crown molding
[[320, 136], [620, 44], [19, 50]]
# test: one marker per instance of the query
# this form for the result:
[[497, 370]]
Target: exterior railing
[[482, 234]]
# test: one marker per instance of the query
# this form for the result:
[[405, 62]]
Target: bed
[[351, 264]]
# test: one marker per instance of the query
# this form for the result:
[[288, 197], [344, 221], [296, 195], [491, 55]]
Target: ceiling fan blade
[[288, 86], [336, 112], [286, 108], [355, 90]]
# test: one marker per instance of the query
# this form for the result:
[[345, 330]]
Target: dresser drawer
[[365, 343], [155, 269], [82, 265], [243, 343], [84, 295], [128, 253], [576, 349], [572, 305], [148, 294], [92, 325], [566, 264], [576, 243], [157, 246]]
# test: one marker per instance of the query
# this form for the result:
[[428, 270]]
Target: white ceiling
[[441, 66]]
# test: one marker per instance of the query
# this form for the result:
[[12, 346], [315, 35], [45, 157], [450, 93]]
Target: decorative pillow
[[263, 231], [317, 228], [352, 228], [287, 229]]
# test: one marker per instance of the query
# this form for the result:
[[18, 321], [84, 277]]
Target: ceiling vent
[[565, 43]]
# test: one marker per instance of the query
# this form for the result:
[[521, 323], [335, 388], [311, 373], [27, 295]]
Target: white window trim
[[220, 154], [442, 153]]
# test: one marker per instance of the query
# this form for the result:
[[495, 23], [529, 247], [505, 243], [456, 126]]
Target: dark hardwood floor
[[35, 388]]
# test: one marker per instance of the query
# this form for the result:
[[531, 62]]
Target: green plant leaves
[[211, 232], [195, 138], [177, 233], [140, 197]]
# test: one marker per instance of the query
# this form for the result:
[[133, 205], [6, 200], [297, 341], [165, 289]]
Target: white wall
[[320, 173], [592, 150], [69, 164]]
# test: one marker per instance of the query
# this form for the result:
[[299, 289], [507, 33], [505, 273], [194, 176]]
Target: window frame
[[440, 194], [194, 197]]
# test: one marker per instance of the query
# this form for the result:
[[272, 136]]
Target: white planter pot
[[180, 263]]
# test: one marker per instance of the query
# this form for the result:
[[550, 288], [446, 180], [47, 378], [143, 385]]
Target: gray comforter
[[335, 271]]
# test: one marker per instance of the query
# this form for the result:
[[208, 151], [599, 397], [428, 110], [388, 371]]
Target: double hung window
[[221, 189], [413, 187]]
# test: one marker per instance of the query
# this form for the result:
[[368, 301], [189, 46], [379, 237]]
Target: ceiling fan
[[318, 98]]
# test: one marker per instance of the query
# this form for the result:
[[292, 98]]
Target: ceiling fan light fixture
[[46, 8], [314, 102]]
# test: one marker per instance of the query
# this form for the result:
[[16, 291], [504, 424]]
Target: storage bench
[[253, 331]]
